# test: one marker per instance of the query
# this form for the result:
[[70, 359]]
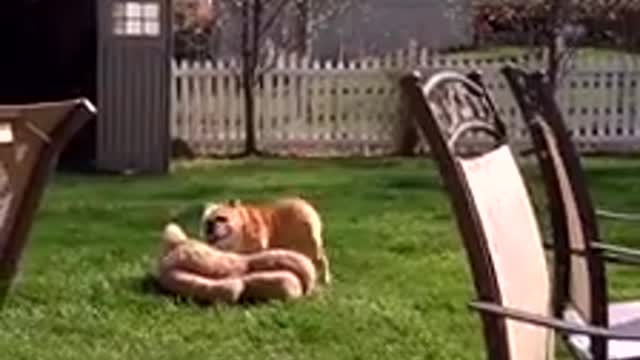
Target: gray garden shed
[[133, 85]]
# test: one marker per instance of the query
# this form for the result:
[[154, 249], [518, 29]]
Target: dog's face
[[221, 225]]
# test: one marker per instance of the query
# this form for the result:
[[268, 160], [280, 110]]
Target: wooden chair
[[579, 253], [31, 139], [495, 218], [529, 107]]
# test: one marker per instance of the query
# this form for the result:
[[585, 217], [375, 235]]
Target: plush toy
[[194, 269]]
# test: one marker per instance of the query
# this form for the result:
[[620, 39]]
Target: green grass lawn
[[401, 281]]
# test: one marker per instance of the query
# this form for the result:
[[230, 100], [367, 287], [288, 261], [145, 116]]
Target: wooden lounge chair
[[495, 218], [31, 139], [579, 253]]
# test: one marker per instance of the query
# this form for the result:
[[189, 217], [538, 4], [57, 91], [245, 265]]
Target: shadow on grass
[[148, 286], [615, 171], [414, 183]]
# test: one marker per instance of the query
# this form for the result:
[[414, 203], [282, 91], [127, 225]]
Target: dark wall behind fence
[[48, 52]]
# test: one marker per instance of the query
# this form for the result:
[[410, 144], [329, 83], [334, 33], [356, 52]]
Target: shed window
[[135, 18]]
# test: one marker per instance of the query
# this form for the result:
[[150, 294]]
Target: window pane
[[152, 28], [118, 27], [134, 27], [134, 10], [151, 11], [118, 10]]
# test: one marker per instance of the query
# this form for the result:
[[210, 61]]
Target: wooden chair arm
[[615, 215], [556, 324], [610, 253], [528, 151], [617, 253]]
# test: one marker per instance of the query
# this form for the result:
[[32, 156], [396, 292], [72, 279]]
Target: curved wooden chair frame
[[495, 218], [579, 254], [32, 137]]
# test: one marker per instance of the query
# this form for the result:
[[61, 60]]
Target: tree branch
[[274, 16]]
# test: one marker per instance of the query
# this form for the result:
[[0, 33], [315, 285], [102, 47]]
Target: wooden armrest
[[616, 249], [49, 128], [617, 253], [528, 151], [556, 324], [614, 215], [611, 253]]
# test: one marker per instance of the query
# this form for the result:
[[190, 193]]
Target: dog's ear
[[234, 202]]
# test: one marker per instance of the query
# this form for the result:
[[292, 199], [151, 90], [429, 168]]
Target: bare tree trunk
[[255, 41], [303, 27], [257, 18], [555, 41], [248, 73]]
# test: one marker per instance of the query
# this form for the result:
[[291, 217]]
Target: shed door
[[134, 74]]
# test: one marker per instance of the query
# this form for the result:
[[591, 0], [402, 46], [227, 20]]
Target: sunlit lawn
[[401, 281]]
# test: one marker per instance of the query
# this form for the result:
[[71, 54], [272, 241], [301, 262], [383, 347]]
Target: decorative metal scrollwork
[[21, 152], [525, 92], [463, 109], [6, 195]]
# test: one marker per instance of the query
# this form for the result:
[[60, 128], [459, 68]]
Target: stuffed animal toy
[[191, 268]]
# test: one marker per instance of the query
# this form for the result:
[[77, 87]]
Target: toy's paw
[[173, 235]]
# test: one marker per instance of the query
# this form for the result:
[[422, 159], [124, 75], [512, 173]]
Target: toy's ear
[[234, 202], [212, 205], [209, 208]]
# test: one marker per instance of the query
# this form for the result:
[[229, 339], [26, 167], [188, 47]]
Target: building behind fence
[[308, 108]]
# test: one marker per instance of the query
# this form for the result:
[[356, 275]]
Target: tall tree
[[264, 20], [557, 26]]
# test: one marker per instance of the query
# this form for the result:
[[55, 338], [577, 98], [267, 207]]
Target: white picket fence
[[309, 108]]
